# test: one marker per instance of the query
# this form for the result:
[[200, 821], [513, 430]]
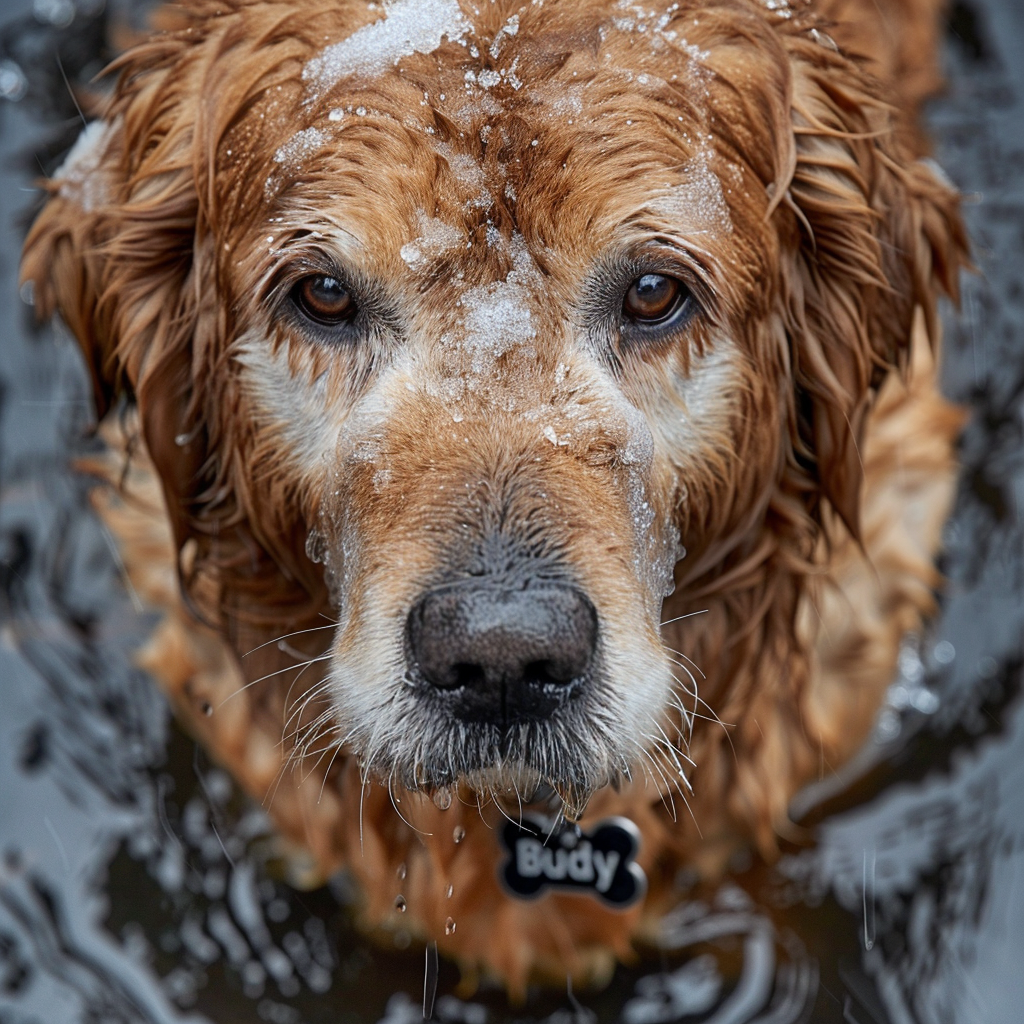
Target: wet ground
[[136, 885]]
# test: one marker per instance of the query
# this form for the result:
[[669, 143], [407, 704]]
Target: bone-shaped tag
[[599, 863]]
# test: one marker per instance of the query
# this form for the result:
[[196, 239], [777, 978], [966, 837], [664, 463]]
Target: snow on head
[[408, 26], [435, 239], [80, 176], [299, 148], [697, 205], [510, 28], [498, 315]]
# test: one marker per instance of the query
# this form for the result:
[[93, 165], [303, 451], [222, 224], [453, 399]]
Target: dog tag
[[599, 863]]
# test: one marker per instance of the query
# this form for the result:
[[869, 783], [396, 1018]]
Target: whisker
[[271, 675], [700, 700], [288, 636], [327, 772], [314, 693], [394, 804], [679, 618], [670, 807], [685, 657], [497, 803], [670, 748], [689, 808], [300, 750], [322, 753], [726, 726], [362, 797]]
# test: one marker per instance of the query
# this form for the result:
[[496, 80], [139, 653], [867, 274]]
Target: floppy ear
[[878, 237], [114, 251], [124, 250]]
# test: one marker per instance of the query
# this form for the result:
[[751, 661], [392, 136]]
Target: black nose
[[503, 655]]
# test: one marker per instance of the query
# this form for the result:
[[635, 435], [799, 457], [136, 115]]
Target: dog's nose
[[503, 655]]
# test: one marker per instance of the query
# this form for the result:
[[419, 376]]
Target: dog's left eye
[[654, 299], [324, 300]]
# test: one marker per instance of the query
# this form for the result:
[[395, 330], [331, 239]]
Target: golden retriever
[[542, 401]]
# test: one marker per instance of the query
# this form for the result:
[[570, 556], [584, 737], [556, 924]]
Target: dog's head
[[504, 321]]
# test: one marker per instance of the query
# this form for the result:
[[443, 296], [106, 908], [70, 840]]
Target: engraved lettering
[[528, 858], [581, 863], [555, 863], [606, 863]]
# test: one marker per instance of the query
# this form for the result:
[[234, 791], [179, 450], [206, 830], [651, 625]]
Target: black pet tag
[[599, 863]]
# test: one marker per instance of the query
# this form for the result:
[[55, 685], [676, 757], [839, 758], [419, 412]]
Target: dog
[[525, 417]]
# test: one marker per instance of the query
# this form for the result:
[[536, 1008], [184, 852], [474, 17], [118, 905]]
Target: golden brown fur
[[762, 149]]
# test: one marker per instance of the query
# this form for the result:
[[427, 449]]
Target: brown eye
[[325, 300], [654, 299]]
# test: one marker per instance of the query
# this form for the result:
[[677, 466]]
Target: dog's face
[[500, 308], [496, 342]]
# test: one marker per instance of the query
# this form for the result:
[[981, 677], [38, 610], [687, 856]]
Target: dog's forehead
[[433, 128]]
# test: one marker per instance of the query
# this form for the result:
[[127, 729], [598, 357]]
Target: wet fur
[[809, 492]]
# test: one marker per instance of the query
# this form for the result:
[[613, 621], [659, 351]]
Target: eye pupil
[[654, 298], [324, 299]]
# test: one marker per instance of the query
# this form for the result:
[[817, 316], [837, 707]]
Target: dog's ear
[[877, 238], [125, 251], [116, 251]]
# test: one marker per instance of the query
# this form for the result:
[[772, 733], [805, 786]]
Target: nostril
[[545, 673], [468, 675]]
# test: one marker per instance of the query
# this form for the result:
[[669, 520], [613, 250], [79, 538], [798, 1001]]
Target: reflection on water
[[137, 885]]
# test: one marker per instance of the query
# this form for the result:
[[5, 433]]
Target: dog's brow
[[300, 229], [326, 248]]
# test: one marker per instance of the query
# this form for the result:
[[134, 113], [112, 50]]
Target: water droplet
[[449, 926], [402, 871], [449, 892], [207, 708], [442, 798], [400, 903], [459, 834]]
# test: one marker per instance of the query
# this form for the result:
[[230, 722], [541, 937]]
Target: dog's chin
[[529, 763]]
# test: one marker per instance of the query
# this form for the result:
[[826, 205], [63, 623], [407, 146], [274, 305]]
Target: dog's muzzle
[[500, 654]]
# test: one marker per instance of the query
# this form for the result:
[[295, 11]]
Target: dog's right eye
[[654, 299], [324, 300]]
